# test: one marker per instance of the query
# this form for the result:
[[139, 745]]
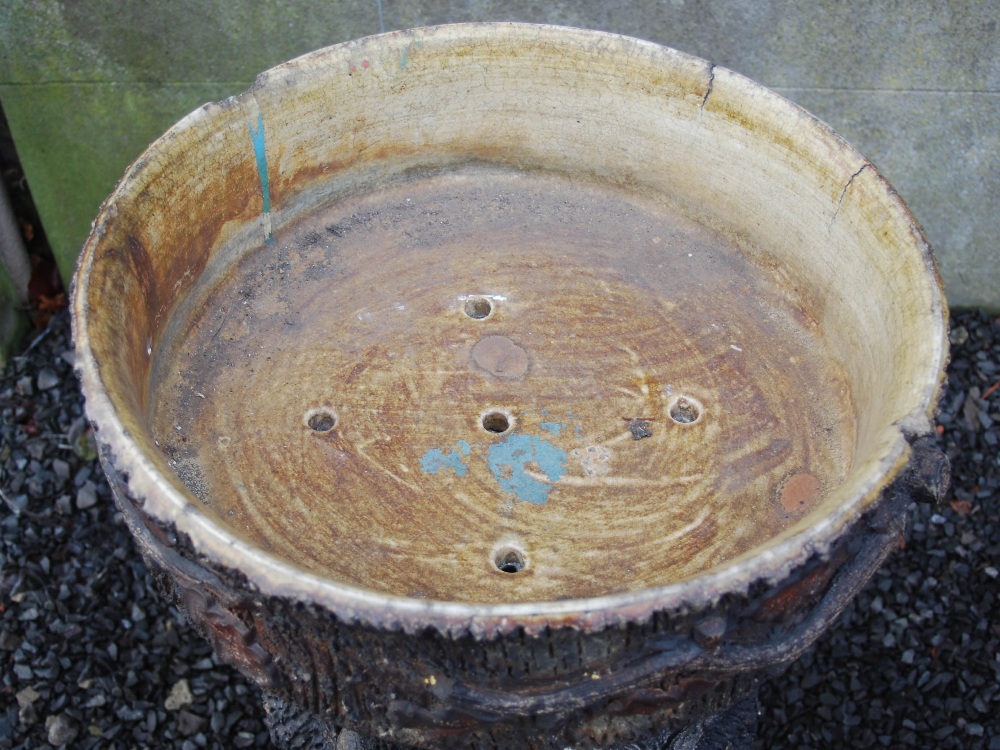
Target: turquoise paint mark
[[406, 54], [554, 427], [257, 136], [509, 460], [436, 460]]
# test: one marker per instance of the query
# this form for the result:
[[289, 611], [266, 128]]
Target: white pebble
[[180, 696]]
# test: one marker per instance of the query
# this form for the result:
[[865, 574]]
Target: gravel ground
[[93, 658]]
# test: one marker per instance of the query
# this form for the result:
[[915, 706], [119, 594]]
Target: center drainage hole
[[496, 421], [321, 420], [685, 411], [478, 308], [510, 560]]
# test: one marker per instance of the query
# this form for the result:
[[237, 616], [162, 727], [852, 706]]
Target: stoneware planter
[[506, 386]]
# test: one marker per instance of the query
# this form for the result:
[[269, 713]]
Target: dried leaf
[[962, 507]]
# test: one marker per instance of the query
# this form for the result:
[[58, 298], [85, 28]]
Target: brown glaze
[[606, 311], [844, 265]]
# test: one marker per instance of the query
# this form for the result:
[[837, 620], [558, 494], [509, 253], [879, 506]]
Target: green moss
[[76, 140], [50, 41], [87, 85]]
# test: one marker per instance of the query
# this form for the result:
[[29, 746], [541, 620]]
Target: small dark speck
[[640, 428]]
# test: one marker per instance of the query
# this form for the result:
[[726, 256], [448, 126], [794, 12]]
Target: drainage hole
[[684, 411], [496, 421], [321, 420], [478, 308], [510, 560]]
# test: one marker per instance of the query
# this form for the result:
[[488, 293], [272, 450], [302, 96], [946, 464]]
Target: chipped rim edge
[[274, 576]]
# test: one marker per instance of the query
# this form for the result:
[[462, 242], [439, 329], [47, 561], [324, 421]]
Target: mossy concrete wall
[[88, 84]]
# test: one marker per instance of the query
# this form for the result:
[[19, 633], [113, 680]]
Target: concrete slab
[[941, 152], [88, 84], [926, 45]]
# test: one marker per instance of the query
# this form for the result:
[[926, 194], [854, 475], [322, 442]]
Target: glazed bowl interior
[[504, 314]]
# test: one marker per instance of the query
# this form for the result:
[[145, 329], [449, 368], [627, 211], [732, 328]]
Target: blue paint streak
[[257, 136], [554, 427], [464, 447], [436, 460], [406, 53], [509, 460]]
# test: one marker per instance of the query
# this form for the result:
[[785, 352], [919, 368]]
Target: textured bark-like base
[[293, 728], [678, 681], [732, 729]]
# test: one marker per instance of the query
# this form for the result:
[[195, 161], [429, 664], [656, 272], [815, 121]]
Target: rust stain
[[135, 288], [645, 701], [793, 597]]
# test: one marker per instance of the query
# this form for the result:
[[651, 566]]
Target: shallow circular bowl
[[490, 329]]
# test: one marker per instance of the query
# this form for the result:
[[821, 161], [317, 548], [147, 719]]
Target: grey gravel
[[86, 496], [61, 730], [47, 380], [87, 641], [914, 662], [89, 647]]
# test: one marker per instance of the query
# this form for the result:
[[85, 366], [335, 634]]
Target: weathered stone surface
[[86, 86]]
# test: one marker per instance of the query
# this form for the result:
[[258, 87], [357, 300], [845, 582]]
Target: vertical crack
[[708, 90], [843, 193]]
